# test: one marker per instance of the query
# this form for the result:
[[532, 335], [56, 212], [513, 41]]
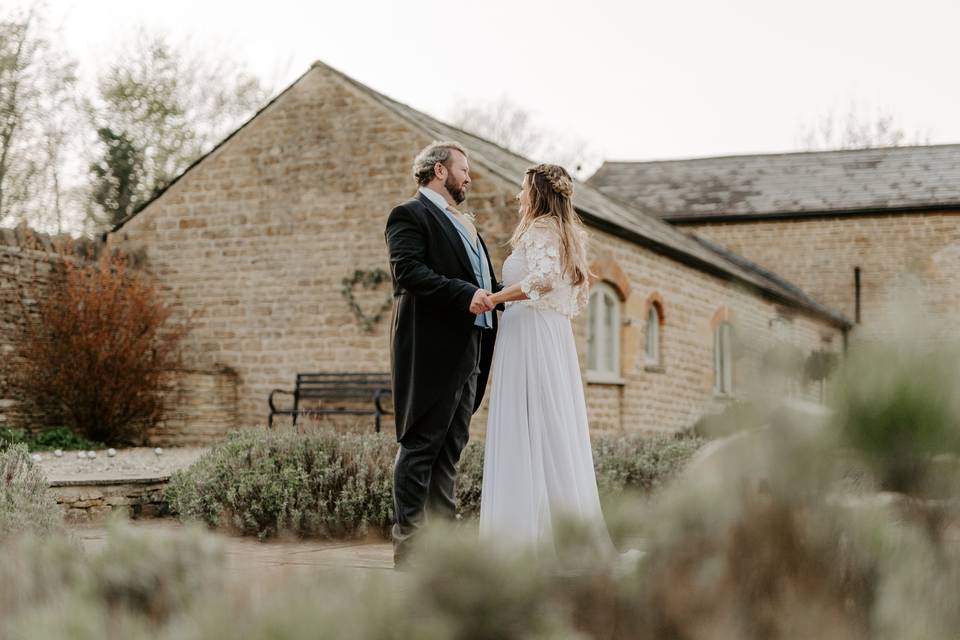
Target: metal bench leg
[[377, 422]]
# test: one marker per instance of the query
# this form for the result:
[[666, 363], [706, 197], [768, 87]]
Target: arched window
[[652, 333], [603, 334], [723, 358]]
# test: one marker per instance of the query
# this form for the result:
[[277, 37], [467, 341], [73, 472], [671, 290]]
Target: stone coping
[[103, 481]]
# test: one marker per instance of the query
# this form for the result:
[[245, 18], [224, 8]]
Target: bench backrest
[[341, 385]]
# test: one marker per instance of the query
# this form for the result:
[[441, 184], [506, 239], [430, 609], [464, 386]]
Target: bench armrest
[[380, 393], [270, 398]]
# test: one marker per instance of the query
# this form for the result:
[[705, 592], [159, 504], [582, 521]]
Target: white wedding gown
[[538, 464]]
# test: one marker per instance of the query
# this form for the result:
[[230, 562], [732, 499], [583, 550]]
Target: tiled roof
[[891, 179]]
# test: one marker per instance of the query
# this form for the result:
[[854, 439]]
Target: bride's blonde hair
[[551, 199]]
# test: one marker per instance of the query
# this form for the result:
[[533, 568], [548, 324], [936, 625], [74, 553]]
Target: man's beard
[[456, 190]]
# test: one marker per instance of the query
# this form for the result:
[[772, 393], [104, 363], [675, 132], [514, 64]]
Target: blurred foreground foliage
[[761, 535], [26, 505]]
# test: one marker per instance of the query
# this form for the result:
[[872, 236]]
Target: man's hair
[[433, 153]]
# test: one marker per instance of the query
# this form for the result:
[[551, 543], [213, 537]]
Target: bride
[[538, 465]]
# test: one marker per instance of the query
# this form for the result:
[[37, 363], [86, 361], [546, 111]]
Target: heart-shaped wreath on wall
[[370, 279]]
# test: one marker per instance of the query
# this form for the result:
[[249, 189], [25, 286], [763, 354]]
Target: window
[[723, 358], [603, 334], [652, 345]]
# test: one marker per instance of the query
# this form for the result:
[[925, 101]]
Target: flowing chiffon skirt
[[538, 463]]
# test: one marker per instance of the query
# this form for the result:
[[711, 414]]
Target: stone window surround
[[654, 303], [609, 273]]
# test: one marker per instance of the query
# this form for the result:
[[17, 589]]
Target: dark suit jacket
[[433, 284]]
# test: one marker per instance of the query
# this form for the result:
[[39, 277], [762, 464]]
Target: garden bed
[[128, 464]]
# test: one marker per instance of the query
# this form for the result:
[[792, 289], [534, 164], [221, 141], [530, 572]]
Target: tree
[[854, 130], [36, 98], [511, 126], [159, 108], [116, 177]]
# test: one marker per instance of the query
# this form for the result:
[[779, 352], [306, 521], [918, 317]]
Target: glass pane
[[717, 361], [653, 334], [725, 337], [592, 311], [609, 342]]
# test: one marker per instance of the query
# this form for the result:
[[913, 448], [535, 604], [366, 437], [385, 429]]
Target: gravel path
[[136, 462]]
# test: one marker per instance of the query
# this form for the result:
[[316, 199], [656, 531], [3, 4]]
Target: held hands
[[482, 302]]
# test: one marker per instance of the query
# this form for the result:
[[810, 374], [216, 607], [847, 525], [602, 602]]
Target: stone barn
[[273, 244]]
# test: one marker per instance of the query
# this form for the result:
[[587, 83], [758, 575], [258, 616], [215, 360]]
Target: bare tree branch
[[509, 125], [854, 130]]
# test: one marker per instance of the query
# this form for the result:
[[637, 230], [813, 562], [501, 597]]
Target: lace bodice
[[535, 264]]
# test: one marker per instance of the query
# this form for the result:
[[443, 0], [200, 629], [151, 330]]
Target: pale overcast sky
[[637, 80]]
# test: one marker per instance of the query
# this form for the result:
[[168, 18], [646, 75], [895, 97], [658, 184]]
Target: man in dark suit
[[442, 336]]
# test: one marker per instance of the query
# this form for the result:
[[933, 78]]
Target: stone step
[[86, 500]]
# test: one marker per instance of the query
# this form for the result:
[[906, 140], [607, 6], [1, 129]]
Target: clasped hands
[[482, 302]]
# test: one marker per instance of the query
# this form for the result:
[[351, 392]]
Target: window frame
[[654, 321], [597, 324]]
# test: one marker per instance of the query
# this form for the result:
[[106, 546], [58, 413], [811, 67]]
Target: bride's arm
[[510, 294], [541, 246]]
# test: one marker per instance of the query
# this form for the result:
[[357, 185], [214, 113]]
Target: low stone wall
[[91, 500]]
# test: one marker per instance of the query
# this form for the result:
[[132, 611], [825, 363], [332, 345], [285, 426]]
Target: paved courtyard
[[260, 566]]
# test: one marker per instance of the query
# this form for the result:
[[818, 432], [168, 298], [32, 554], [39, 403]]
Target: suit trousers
[[424, 474]]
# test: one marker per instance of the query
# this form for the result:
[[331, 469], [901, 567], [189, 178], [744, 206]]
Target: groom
[[442, 336]]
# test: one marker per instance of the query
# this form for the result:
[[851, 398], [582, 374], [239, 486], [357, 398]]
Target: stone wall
[[257, 239], [26, 271], [201, 410], [905, 260]]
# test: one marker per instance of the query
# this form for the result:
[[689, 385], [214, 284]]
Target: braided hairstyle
[[550, 201]]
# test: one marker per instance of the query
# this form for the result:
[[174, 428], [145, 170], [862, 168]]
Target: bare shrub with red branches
[[100, 349]]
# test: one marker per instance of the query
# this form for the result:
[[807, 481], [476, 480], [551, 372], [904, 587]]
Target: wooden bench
[[318, 389]]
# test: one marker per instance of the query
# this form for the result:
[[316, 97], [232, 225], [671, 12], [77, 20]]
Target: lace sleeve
[[541, 245]]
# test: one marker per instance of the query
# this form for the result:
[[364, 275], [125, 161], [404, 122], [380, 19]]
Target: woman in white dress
[[538, 464]]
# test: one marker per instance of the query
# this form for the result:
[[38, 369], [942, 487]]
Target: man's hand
[[481, 302]]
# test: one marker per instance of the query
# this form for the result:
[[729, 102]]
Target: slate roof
[[892, 179], [599, 211]]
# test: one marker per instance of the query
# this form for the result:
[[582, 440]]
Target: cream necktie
[[465, 221]]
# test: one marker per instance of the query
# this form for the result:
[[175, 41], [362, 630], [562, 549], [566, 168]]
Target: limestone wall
[[904, 260], [26, 269]]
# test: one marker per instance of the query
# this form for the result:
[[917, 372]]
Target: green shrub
[[266, 483], [26, 504], [60, 438], [638, 462], [47, 440], [900, 406], [334, 485], [10, 437]]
